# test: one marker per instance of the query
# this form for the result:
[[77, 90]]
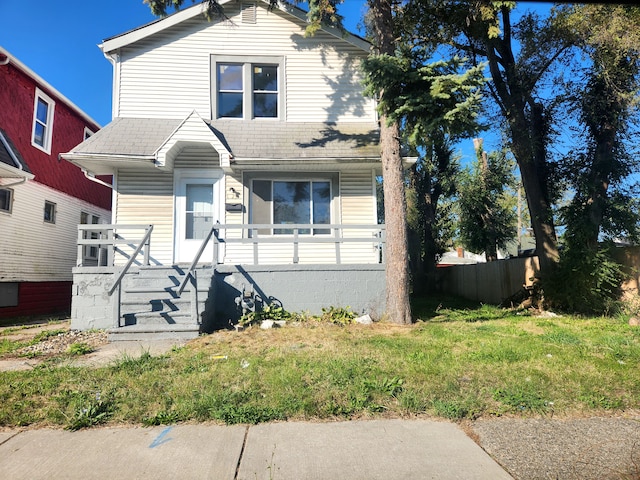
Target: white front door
[[197, 210]]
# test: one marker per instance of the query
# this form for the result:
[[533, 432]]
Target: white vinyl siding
[[154, 206], [358, 206], [34, 251], [169, 74], [197, 156]]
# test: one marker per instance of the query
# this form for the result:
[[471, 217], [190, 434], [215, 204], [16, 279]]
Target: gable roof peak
[[127, 38]]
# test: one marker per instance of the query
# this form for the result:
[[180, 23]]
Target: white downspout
[[96, 180]]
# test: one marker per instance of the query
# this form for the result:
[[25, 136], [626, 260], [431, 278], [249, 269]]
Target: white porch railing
[[114, 241]]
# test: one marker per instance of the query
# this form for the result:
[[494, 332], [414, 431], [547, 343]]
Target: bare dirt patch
[[55, 340]]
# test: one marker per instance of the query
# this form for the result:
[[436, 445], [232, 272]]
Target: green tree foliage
[[435, 103], [519, 56], [487, 219], [604, 205], [431, 213], [605, 98]]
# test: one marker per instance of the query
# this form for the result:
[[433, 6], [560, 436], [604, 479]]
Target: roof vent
[[248, 12]]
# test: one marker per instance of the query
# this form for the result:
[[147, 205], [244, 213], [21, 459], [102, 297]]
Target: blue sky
[[59, 41]]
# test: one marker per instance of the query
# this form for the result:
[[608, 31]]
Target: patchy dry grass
[[457, 362]]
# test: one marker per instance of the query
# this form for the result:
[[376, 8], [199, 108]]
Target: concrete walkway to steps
[[356, 450]]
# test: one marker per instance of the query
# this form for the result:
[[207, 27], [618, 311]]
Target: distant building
[[42, 198]]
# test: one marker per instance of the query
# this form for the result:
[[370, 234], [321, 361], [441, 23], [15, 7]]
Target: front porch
[[122, 287]]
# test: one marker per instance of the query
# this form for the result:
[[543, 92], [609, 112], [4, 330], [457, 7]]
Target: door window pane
[[199, 211]]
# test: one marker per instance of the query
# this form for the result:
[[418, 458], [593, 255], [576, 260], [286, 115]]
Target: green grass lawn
[[459, 361]]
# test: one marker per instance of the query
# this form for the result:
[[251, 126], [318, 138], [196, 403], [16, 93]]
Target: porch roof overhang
[[152, 143]]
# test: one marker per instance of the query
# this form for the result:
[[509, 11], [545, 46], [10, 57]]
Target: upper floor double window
[[247, 88], [42, 121]]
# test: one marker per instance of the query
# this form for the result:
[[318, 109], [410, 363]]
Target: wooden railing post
[[337, 235], [111, 249], [80, 259], [254, 237], [296, 259]]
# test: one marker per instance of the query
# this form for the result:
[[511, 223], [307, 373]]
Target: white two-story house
[[245, 130]]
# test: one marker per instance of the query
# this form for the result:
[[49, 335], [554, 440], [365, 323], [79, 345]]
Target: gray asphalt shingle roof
[[129, 136], [297, 140], [281, 140]]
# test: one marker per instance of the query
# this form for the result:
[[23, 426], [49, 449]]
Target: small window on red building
[[42, 121]]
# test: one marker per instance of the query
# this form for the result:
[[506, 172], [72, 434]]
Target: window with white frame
[[49, 212], [247, 88], [90, 252], [87, 133], [6, 200], [287, 202], [42, 121]]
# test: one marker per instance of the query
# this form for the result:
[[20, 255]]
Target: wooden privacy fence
[[490, 282], [494, 282]]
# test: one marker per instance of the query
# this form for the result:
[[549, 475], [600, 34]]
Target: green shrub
[[338, 315], [586, 281], [267, 312]]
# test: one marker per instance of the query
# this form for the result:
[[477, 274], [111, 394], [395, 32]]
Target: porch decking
[[125, 289]]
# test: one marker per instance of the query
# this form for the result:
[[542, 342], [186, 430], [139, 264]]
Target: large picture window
[[286, 202], [247, 89]]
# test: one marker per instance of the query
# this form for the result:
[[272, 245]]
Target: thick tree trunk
[[537, 200], [395, 208], [395, 203], [527, 131]]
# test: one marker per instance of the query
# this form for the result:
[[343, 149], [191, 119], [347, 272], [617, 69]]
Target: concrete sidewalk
[[357, 450]]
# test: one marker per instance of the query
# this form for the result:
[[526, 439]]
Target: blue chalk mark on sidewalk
[[159, 440]]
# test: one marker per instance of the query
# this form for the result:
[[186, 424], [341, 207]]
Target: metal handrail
[[144, 240], [189, 273]]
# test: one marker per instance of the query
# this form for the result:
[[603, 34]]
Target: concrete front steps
[[150, 308]]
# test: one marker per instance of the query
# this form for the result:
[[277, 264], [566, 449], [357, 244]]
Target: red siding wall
[[17, 96], [40, 298]]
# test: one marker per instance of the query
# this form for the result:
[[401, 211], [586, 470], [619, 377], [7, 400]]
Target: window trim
[[10, 209], [54, 214], [247, 85], [330, 177], [48, 126]]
